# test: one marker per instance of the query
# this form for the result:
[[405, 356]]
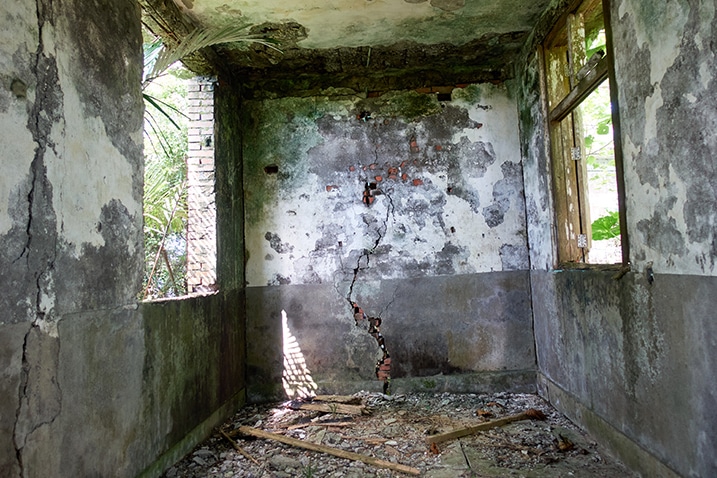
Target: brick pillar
[[201, 205]]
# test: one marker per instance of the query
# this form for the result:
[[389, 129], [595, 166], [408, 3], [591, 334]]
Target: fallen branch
[[320, 424], [255, 432], [332, 408], [349, 399], [239, 449], [461, 432]]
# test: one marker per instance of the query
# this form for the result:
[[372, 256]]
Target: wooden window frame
[[570, 77]]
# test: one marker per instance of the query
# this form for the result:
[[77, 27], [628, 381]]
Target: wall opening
[[585, 160], [165, 177], [179, 192]]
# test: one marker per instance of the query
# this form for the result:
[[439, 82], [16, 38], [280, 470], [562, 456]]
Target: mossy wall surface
[[612, 351], [378, 200]]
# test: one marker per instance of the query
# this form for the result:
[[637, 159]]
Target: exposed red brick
[[352, 168], [331, 187], [392, 177], [413, 144], [404, 176], [439, 147], [417, 182], [372, 166], [392, 170], [378, 179]]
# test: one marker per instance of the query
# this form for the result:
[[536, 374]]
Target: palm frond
[[202, 38], [158, 104]]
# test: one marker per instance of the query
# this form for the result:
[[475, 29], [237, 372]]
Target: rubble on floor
[[407, 432]]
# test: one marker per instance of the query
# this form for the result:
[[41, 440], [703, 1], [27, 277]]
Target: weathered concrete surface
[[637, 356], [437, 330], [631, 359], [92, 384], [444, 178], [70, 205], [371, 200], [372, 23], [666, 59], [193, 366], [229, 193]]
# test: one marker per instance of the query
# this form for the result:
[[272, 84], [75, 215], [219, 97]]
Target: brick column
[[201, 213]]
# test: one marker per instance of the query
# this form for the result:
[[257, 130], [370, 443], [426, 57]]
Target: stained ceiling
[[357, 44]]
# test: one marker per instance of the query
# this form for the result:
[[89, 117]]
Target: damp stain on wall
[[432, 174]]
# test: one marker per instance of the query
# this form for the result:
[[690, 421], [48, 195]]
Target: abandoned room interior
[[402, 190]]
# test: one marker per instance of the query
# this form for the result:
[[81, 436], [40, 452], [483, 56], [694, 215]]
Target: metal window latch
[[582, 241], [576, 153]]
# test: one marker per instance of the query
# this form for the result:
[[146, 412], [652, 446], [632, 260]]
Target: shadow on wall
[[296, 377]]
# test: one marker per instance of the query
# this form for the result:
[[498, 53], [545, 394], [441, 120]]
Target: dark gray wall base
[[197, 435], [513, 381], [625, 449]]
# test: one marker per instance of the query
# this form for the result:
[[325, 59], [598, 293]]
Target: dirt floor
[[397, 430]]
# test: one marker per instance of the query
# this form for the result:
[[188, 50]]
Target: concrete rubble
[[396, 429]]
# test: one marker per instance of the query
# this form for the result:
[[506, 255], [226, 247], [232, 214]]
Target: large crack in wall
[[40, 397], [383, 365]]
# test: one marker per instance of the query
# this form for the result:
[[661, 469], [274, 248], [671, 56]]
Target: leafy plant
[[606, 227], [202, 38], [165, 198], [308, 471], [165, 195]]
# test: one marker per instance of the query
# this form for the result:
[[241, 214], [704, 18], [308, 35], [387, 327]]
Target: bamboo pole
[[473, 429], [328, 450]]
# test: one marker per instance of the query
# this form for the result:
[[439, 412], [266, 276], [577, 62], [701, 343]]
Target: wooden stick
[[320, 424], [239, 449], [334, 408], [349, 399], [461, 432], [329, 450]]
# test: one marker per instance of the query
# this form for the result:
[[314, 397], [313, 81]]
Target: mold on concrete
[[463, 330], [669, 92], [86, 373], [438, 175], [612, 349]]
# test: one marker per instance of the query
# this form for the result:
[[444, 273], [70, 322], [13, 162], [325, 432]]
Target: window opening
[[585, 161], [179, 198]]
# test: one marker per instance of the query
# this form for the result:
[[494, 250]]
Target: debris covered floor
[[397, 430]]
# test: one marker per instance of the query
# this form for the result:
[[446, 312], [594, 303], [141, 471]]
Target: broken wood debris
[[329, 424], [255, 432], [531, 413], [336, 408], [348, 399]]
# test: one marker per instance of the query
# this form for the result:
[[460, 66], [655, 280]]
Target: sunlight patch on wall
[[296, 377]]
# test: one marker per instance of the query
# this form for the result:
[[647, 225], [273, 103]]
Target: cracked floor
[[395, 430]]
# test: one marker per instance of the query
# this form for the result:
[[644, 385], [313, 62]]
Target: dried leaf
[[535, 414]]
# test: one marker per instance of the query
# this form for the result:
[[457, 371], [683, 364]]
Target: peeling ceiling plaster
[[361, 45], [356, 23]]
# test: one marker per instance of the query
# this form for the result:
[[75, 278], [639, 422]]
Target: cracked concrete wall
[[357, 198], [611, 353], [91, 384], [70, 204]]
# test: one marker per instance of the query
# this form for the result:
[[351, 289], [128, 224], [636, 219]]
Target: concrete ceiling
[[358, 43]]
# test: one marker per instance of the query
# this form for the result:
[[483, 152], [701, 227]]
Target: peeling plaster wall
[[91, 384], [352, 197], [669, 140], [632, 360]]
